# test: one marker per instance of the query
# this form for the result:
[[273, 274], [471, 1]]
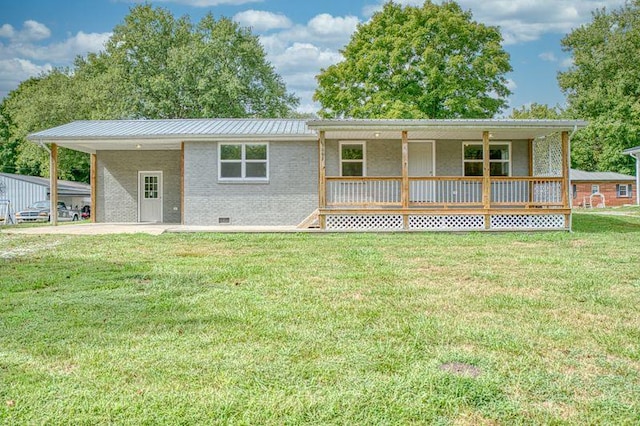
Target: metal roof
[[65, 187], [345, 124], [174, 128], [581, 175]]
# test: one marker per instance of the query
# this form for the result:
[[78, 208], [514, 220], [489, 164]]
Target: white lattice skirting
[[365, 222], [374, 222], [527, 221], [446, 222]]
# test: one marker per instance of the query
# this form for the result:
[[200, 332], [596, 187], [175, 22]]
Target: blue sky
[[299, 36]]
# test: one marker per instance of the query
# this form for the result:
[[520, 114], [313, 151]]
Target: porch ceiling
[[442, 129], [92, 146]]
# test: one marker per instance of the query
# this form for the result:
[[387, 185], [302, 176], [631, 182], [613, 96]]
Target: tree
[[602, 87], [165, 67], [538, 111], [431, 61]]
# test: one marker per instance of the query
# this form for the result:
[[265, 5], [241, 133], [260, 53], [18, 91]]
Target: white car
[[39, 212]]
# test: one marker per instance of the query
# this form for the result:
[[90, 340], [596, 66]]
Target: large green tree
[[603, 86], [153, 66], [538, 111], [431, 61]]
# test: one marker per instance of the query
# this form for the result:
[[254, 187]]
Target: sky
[[300, 37]]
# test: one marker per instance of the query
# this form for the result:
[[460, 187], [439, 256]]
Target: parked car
[[40, 212]]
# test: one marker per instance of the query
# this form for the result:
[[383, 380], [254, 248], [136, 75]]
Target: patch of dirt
[[461, 369], [24, 251]]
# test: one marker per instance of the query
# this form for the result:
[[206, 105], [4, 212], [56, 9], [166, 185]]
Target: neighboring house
[[635, 153], [22, 191], [601, 189], [336, 174]]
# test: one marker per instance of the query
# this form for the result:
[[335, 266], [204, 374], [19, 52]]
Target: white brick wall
[[117, 183], [289, 197]]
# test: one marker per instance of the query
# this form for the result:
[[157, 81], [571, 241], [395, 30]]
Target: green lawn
[[323, 328]]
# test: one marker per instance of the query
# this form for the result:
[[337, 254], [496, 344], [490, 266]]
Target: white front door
[[150, 196], [421, 164]]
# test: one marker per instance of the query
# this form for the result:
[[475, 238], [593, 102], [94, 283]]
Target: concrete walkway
[[141, 228]]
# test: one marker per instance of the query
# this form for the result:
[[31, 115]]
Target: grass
[[323, 328]]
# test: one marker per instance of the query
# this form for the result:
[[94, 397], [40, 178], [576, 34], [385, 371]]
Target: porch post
[[486, 179], [322, 174], [565, 169], [530, 170], [92, 179], [53, 184], [182, 183], [404, 194], [565, 177]]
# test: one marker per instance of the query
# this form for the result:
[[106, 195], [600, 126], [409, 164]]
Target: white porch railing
[[364, 191], [440, 191]]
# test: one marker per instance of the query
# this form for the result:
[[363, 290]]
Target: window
[[499, 158], [243, 161], [624, 191], [574, 191], [352, 159], [595, 189]]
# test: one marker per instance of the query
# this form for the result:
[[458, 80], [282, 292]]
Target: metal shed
[[22, 191]]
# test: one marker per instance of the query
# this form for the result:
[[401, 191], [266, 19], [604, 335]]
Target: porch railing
[[441, 191]]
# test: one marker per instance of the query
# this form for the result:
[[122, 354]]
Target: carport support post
[[94, 171], [53, 186]]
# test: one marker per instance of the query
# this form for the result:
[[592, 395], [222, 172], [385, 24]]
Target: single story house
[[22, 191], [601, 189], [462, 174], [635, 153]]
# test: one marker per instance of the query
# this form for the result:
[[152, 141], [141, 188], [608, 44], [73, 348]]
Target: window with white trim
[[499, 158], [623, 190], [246, 161], [353, 159], [595, 189]]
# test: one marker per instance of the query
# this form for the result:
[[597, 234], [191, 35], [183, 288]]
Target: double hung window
[[499, 158], [243, 162]]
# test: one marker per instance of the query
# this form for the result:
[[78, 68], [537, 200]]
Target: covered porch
[[454, 175]]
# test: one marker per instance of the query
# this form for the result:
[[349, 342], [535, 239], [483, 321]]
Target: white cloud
[[300, 52], [31, 31], [260, 20], [7, 31], [326, 25], [511, 85], [548, 57], [13, 71], [61, 53]]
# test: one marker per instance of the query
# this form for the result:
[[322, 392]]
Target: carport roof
[[95, 135]]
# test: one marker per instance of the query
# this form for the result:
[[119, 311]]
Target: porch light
[[376, 134], [138, 146]]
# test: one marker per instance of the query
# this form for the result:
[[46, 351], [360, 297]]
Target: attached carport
[[635, 153]]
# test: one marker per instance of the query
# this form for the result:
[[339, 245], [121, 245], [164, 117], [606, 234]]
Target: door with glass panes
[[150, 197]]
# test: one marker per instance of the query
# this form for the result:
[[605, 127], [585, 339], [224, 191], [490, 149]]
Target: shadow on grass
[[604, 223]]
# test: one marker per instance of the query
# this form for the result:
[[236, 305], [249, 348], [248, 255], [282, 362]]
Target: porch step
[[310, 221]]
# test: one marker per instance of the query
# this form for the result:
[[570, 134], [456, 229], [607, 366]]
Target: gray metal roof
[[445, 123], [634, 150], [581, 175], [65, 187], [175, 128]]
